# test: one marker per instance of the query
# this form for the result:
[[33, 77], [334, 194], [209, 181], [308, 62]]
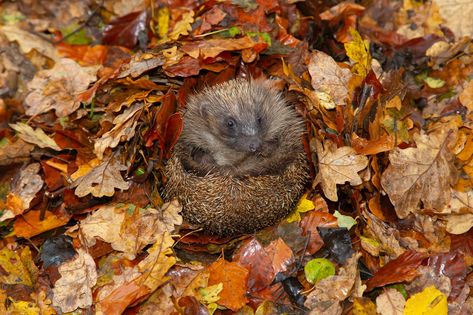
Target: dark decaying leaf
[[452, 265], [338, 243], [57, 250], [125, 30]]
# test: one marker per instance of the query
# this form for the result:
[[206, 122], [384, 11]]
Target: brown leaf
[[390, 302], [281, 256], [125, 30], [423, 174], [27, 185], [234, 278], [57, 89], [403, 268], [337, 166], [253, 257], [329, 78], [309, 225], [211, 48], [101, 180], [74, 289], [329, 292], [124, 130]]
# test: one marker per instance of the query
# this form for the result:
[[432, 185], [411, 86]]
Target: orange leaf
[[30, 224], [281, 255], [233, 277], [121, 298]]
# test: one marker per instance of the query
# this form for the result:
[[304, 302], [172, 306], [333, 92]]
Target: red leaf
[[403, 268], [124, 31], [309, 225], [453, 266], [253, 257]]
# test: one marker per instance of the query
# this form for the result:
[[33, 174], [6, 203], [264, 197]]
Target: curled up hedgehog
[[239, 165]]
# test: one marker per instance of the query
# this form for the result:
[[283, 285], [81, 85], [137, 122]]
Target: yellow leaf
[[23, 307], [209, 294], [18, 267], [183, 27], [163, 22], [303, 205], [430, 301], [357, 51]]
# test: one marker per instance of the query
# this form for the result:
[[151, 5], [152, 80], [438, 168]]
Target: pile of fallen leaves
[[89, 113]]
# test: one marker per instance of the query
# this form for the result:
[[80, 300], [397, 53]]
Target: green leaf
[[434, 83], [78, 35], [318, 269], [344, 220], [210, 294]]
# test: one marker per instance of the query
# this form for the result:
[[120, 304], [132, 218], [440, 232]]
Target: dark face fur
[[237, 119]]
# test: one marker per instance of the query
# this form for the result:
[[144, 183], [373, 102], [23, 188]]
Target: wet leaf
[[125, 30], [430, 301], [318, 269], [234, 278]]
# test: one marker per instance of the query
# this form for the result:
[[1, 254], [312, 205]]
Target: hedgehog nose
[[254, 144]]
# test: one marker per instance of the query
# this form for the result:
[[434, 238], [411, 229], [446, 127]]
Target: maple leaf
[[329, 78], [35, 136], [102, 180], [57, 89], [423, 174], [337, 166]]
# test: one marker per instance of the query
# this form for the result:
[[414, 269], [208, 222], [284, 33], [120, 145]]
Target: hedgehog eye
[[231, 123], [259, 120]]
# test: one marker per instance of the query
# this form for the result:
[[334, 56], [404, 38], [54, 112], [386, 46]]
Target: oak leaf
[[35, 136], [337, 166], [423, 174], [102, 180], [124, 130], [74, 288], [57, 89]]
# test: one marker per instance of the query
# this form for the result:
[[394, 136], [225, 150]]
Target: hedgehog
[[239, 164]]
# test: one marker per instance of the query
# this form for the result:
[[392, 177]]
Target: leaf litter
[[90, 95]]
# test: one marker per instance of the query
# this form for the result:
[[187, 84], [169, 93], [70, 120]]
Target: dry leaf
[[124, 130], [128, 228], [337, 166], [102, 180], [182, 27], [420, 174], [29, 41], [27, 185], [74, 289], [16, 152], [57, 89], [36, 136], [390, 302], [328, 77], [329, 292], [18, 267], [457, 15], [143, 279]]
